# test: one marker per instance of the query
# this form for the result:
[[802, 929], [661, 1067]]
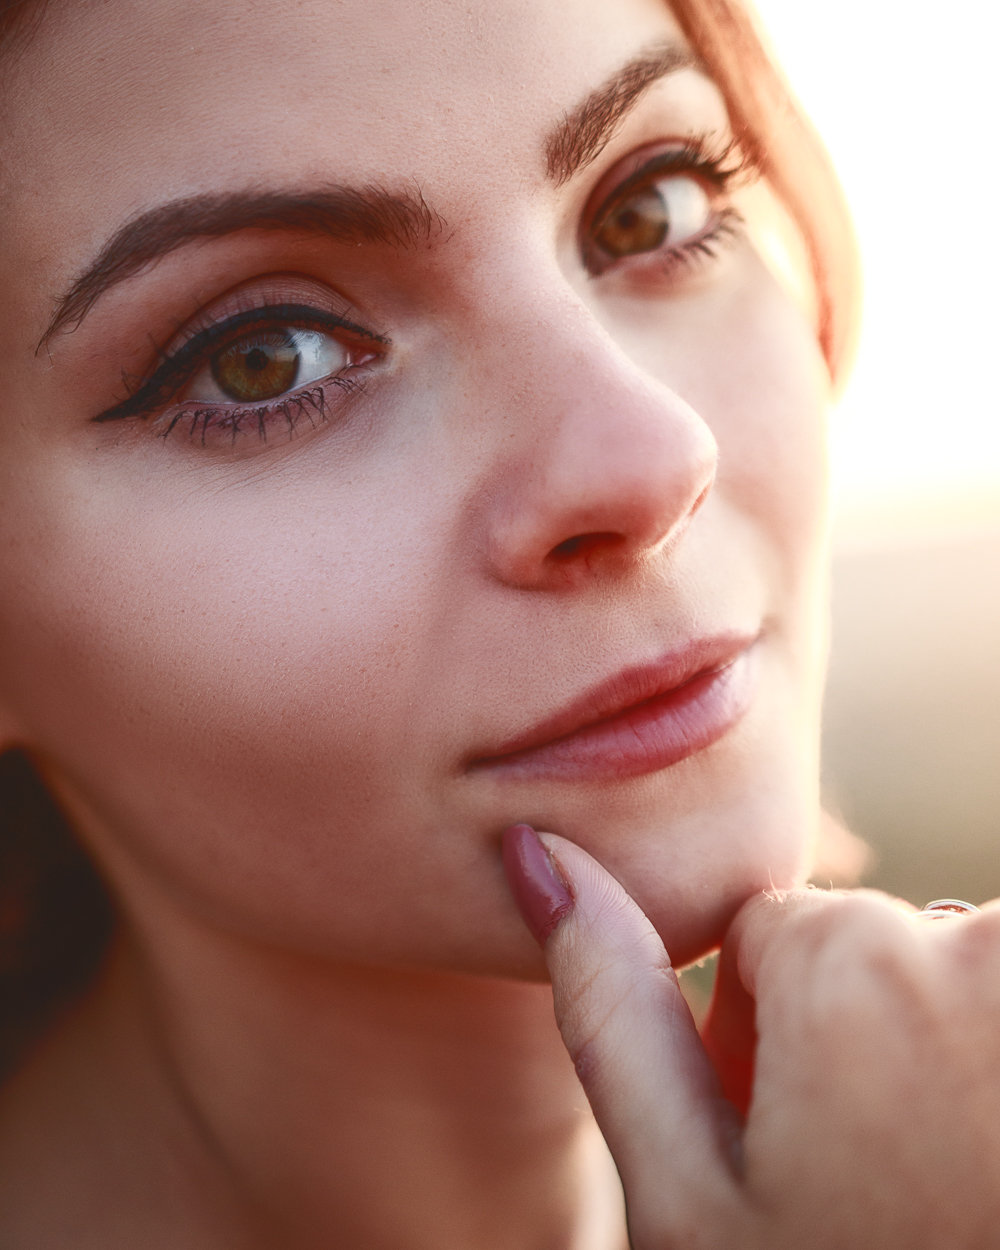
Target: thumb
[[631, 1036]]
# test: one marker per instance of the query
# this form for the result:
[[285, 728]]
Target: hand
[[874, 1119]]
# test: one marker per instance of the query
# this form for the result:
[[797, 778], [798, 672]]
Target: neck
[[231, 1094]]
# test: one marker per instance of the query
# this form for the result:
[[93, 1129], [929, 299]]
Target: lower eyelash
[[725, 231], [309, 405]]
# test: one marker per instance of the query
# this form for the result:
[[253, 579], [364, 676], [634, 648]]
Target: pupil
[[640, 224], [258, 366]]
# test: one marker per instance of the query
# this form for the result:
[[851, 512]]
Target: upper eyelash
[[723, 169], [175, 369]]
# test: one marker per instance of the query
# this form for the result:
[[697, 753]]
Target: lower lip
[[642, 739]]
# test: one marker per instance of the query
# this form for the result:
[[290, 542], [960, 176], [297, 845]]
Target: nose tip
[[615, 480]]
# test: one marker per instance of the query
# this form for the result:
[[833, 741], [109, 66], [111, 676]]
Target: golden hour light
[[908, 113]]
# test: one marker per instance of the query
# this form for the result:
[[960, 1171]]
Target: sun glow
[[904, 95]]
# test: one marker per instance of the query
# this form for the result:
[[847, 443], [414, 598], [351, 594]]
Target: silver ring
[[944, 907]]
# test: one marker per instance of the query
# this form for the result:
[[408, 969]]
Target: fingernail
[[539, 891]]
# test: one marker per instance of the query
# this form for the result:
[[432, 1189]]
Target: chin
[[693, 844]]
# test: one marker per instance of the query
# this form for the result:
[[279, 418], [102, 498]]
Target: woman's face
[[444, 410]]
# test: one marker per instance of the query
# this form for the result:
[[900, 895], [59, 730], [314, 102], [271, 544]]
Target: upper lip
[[626, 690]]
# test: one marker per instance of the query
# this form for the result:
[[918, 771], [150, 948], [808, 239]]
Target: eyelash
[[176, 370], [309, 404], [153, 397], [722, 172]]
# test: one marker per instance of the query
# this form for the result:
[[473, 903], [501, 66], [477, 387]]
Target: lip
[[643, 719]]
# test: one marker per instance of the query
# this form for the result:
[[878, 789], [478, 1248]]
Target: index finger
[[631, 1036], [771, 933]]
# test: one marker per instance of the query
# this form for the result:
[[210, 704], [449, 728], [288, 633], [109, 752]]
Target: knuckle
[[976, 939], [851, 963], [777, 933], [969, 954], [850, 929]]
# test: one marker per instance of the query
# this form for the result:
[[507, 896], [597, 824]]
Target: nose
[[604, 464]]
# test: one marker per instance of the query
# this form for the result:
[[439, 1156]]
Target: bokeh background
[[907, 98]]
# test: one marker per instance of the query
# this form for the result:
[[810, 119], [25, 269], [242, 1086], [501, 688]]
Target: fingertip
[[542, 895]]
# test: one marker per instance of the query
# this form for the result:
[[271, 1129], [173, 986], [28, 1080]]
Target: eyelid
[[721, 169], [647, 174], [177, 367]]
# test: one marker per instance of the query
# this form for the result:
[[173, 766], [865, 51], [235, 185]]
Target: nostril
[[584, 544]]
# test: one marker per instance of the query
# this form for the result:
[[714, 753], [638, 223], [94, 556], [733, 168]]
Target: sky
[[907, 98]]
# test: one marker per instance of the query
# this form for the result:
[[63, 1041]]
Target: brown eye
[[637, 224], [259, 366], [264, 364], [667, 211]]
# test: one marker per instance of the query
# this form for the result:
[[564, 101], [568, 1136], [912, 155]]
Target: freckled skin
[[270, 668], [254, 675]]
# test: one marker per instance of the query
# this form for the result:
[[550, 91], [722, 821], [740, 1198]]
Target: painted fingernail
[[539, 891]]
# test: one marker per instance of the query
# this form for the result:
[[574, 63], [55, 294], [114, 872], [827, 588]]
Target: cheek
[[746, 359], [235, 679], [764, 391], [251, 689], [751, 366]]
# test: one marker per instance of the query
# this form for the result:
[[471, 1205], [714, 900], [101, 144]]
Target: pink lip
[[641, 720]]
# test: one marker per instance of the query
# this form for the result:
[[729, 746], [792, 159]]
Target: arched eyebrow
[[583, 134], [349, 214], [346, 214]]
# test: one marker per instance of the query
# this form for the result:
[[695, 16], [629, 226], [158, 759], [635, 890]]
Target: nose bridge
[[599, 462]]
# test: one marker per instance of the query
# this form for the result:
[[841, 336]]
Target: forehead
[[136, 98]]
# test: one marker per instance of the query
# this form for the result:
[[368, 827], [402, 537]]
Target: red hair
[[771, 128]]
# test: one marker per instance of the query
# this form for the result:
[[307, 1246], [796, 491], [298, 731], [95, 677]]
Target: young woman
[[412, 431]]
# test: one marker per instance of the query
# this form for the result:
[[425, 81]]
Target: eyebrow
[[583, 134], [347, 214]]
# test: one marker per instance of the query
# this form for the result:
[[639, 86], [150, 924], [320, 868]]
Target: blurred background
[[906, 97]]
